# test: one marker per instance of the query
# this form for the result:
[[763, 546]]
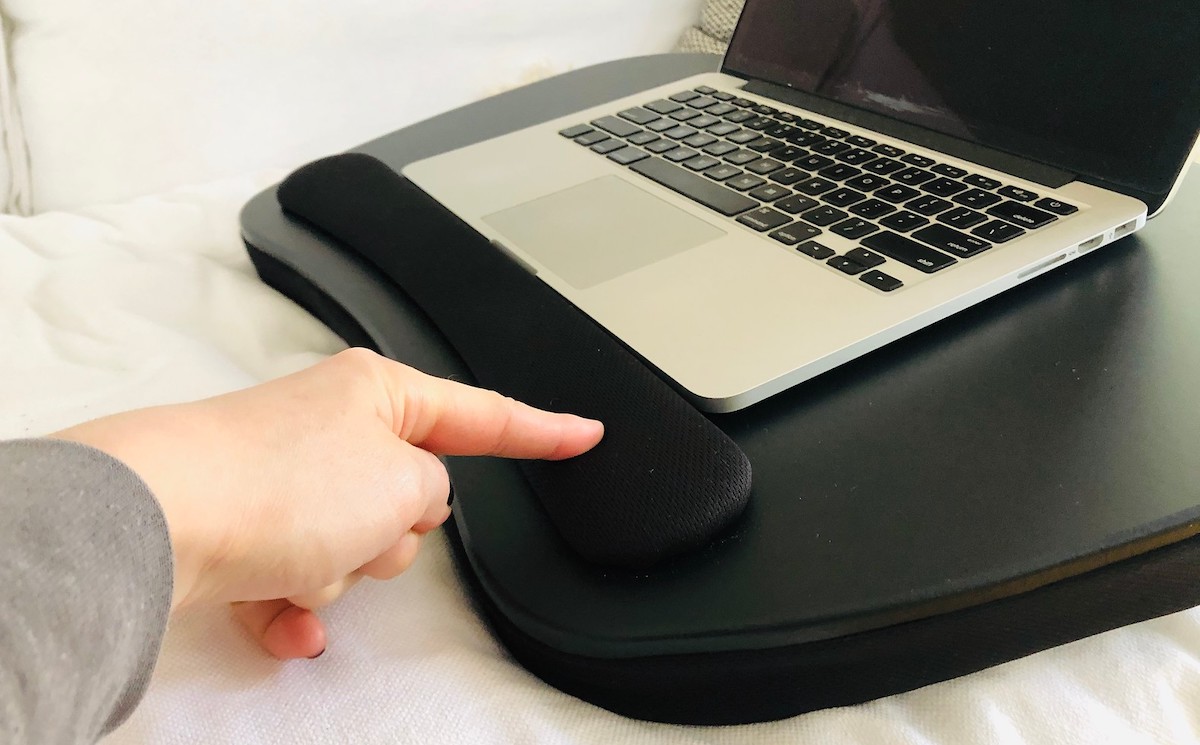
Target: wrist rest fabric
[[663, 482]]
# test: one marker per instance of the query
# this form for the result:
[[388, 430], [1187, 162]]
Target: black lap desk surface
[[1032, 438]]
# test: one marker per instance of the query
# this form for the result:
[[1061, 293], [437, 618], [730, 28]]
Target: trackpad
[[599, 230]]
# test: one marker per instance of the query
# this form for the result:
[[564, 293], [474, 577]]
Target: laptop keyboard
[[795, 178]]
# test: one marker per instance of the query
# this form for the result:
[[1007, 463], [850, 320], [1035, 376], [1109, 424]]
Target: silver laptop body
[[803, 264]]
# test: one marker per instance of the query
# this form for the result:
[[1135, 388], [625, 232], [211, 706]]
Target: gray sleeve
[[85, 589]]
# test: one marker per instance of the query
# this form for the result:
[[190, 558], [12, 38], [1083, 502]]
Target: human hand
[[281, 496]]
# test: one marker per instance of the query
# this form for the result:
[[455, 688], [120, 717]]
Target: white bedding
[[154, 300]]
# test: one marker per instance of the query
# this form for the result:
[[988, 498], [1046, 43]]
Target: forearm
[[85, 590]]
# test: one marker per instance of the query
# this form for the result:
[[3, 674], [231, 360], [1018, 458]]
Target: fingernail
[[318, 654]]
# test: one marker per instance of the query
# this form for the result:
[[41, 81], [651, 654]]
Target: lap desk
[[1017, 476]]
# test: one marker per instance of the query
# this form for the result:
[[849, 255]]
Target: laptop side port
[[1091, 243], [1125, 229]]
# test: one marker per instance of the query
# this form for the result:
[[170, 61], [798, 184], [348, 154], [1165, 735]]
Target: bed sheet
[[154, 300]]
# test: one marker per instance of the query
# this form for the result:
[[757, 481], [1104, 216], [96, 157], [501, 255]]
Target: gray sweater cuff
[[86, 575]]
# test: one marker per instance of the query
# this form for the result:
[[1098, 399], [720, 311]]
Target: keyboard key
[[908, 252], [703, 121], [591, 138], [860, 141], [628, 155], [896, 193], [872, 209], [790, 152], [920, 161], [705, 90], [759, 123], [856, 156], [744, 182], [638, 115], [997, 231], [815, 186], [743, 137], [945, 169], [684, 115], [843, 264], [680, 154], [883, 166], [881, 281], [770, 192], [606, 147], [977, 199], [912, 176], [1017, 193], [843, 197], [830, 147], [815, 250], [763, 109], [720, 109], [983, 182], [642, 138], [823, 215], [721, 95], [888, 151], [834, 132], [615, 126], [743, 102], [764, 165], [805, 139], [693, 186], [928, 205], [904, 221], [720, 130], [786, 116], [573, 132], [739, 116], [763, 219], [853, 228], [944, 187], [702, 103], [1055, 206], [741, 157], [1021, 214], [796, 203], [788, 175], [699, 140], [794, 233], [722, 172], [867, 182], [812, 162], [685, 96], [810, 124], [951, 241], [680, 132], [961, 217], [778, 130], [662, 125], [720, 148], [839, 172], [701, 162], [867, 258], [764, 145], [661, 146]]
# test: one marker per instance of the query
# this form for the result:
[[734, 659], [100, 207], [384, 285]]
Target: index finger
[[451, 418]]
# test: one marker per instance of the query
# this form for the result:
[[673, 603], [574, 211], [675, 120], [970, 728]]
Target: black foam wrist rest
[[663, 482]]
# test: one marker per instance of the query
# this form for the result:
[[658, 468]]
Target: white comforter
[[154, 300]]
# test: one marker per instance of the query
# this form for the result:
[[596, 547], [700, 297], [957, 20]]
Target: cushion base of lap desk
[[1015, 477]]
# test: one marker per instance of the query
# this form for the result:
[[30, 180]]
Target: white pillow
[[128, 97]]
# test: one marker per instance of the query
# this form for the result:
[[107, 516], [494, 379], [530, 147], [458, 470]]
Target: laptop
[[856, 171]]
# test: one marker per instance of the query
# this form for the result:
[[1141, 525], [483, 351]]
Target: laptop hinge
[[1023, 168]]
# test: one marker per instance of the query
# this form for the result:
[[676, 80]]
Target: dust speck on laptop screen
[[1106, 89]]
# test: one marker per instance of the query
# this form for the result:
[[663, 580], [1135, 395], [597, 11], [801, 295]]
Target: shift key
[[693, 186], [908, 251]]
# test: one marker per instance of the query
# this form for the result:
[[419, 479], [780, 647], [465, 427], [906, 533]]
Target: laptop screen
[[1109, 90]]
